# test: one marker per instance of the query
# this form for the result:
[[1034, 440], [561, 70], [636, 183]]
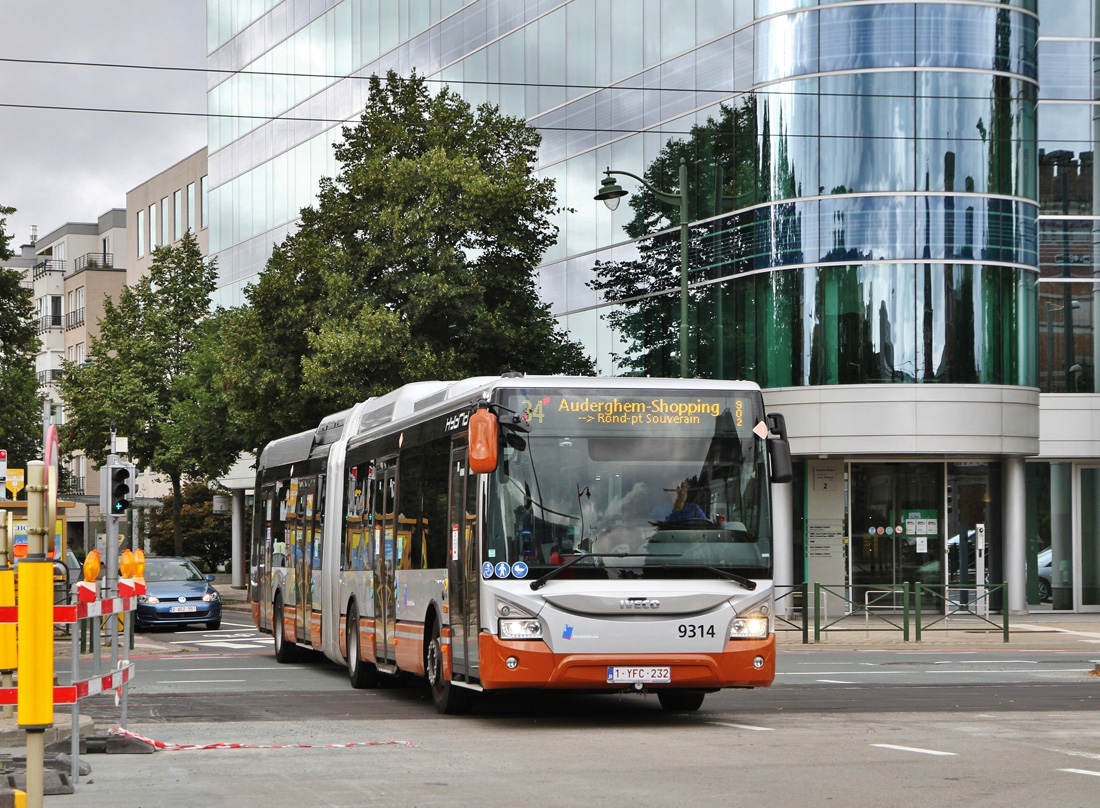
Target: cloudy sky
[[59, 166]]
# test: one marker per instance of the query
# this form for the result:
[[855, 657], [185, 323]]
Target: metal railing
[[975, 609], [47, 322], [791, 613], [877, 601], [897, 607], [48, 265], [94, 260], [74, 318], [48, 377]]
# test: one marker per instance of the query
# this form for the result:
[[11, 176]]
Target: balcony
[[47, 378], [99, 260], [71, 485], [47, 322], [48, 265], [74, 318]]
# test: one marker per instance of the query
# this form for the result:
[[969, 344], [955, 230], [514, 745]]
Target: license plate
[[184, 609], [643, 673]]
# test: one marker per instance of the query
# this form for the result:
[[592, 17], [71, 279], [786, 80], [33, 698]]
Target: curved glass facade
[[863, 186]]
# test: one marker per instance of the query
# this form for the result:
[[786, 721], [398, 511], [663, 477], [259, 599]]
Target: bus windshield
[[650, 485]]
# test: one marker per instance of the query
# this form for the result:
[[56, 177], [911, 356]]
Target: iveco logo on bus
[[639, 603]]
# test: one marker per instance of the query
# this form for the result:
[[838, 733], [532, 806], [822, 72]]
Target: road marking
[[1024, 670], [986, 662], [233, 669], [220, 644], [835, 682], [836, 673], [199, 681], [743, 726], [1081, 771], [915, 749], [1087, 636]]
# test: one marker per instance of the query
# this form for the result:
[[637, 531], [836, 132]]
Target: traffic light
[[121, 487]]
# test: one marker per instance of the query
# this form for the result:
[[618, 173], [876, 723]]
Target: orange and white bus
[[528, 532]]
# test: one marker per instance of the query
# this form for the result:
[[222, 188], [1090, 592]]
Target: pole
[[1067, 289], [8, 658], [683, 271], [1050, 352]]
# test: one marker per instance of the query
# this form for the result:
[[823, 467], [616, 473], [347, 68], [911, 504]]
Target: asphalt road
[[840, 727]]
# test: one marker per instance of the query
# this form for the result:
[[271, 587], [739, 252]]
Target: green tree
[[416, 262], [206, 535], [20, 401], [141, 378]]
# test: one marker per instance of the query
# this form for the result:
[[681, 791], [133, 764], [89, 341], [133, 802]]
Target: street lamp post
[[610, 194]]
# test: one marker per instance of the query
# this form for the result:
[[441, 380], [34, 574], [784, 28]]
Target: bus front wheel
[[362, 674], [449, 699], [680, 701]]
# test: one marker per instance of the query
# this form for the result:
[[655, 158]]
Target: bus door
[[258, 582], [385, 553], [463, 567], [303, 556]]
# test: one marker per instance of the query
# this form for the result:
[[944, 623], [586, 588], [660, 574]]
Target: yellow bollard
[[34, 702]]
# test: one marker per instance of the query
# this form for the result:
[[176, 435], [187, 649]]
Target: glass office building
[[890, 228]]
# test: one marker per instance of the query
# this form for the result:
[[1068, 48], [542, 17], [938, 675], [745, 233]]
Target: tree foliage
[[142, 377], [206, 535], [416, 262], [20, 402]]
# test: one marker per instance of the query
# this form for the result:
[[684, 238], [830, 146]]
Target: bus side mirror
[[779, 450], [483, 442]]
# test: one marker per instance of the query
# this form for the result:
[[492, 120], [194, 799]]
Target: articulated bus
[[528, 532]]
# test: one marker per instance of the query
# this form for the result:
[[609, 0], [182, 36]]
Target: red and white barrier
[[69, 694], [183, 747]]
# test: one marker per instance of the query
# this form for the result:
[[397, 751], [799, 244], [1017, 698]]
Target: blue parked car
[[176, 593]]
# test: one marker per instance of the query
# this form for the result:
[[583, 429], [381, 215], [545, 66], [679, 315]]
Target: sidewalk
[[1039, 631]]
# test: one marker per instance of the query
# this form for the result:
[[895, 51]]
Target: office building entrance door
[[896, 531]]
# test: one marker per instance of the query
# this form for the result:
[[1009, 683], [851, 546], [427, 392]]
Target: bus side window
[[353, 521], [437, 459], [411, 506]]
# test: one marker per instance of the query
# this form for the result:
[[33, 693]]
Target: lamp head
[[610, 192]]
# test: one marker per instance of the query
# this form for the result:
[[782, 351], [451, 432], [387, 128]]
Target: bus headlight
[[750, 627], [526, 628]]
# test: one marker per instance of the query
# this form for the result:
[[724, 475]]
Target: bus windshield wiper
[[740, 580], [539, 583]]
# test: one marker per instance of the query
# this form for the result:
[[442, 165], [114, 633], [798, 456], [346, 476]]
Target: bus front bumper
[[534, 665]]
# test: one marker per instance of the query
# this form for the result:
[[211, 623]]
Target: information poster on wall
[[825, 538], [922, 522]]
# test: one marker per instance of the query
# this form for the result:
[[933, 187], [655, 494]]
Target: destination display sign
[[584, 412]]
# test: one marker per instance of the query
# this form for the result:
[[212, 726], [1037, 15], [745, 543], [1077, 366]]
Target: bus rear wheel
[[680, 701], [362, 674], [449, 699], [285, 651]]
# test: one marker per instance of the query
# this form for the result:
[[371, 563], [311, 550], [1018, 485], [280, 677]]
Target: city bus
[[518, 532]]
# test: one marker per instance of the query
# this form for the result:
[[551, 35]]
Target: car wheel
[[362, 674], [285, 651], [449, 699], [214, 625], [1044, 590], [680, 701]]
